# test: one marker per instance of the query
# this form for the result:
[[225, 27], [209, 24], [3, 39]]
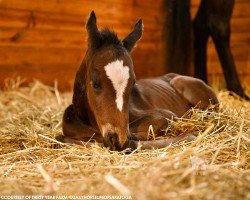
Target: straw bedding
[[215, 166]]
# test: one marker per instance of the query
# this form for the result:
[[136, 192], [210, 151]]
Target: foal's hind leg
[[73, 128], [195, 91]]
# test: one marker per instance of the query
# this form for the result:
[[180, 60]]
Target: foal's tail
[[178, 36]]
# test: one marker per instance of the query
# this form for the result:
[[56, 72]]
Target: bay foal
[[111, 107]]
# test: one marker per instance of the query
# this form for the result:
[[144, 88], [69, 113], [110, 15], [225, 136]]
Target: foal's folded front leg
[[156, 118], [162, 143], [75, 130], [159, 121]]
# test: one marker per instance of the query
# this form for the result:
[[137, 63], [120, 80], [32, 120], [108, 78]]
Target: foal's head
[[109, 80]]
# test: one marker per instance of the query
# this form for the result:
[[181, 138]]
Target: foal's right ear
[[130, 41], [94, 37]]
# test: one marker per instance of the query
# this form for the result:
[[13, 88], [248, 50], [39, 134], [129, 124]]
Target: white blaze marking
[[119, 75]]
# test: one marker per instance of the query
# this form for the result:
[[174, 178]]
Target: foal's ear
[[134, 36], [94, 36]]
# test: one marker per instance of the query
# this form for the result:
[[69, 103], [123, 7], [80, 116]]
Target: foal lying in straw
[[112, 108]]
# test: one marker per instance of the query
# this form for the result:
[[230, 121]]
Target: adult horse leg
[[178, 36], [201, 34], [221, 40], [219, 17], [74, 129]]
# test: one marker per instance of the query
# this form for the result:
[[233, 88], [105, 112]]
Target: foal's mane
[[109, 37]]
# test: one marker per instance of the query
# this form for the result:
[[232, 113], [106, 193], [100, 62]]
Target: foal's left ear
[[134, 36], [94, 37]]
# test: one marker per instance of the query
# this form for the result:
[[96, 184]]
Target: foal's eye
[[96, 86]]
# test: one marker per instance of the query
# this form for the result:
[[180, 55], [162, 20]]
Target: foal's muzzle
[[111, 140]]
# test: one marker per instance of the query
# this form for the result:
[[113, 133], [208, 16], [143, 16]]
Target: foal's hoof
[[130, 146], [60, 138], [246, 97], [57, 145], [189, 137], [67, 140]]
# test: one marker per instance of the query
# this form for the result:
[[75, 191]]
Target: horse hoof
[[190, 137]]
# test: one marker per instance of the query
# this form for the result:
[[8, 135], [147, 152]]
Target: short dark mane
[[109, 37]]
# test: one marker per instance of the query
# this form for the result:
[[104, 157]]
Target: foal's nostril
[[111, 140]]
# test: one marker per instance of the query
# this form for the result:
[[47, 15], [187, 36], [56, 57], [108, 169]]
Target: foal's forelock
[[118, 73]]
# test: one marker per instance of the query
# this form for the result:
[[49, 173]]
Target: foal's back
[[171, 92]]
